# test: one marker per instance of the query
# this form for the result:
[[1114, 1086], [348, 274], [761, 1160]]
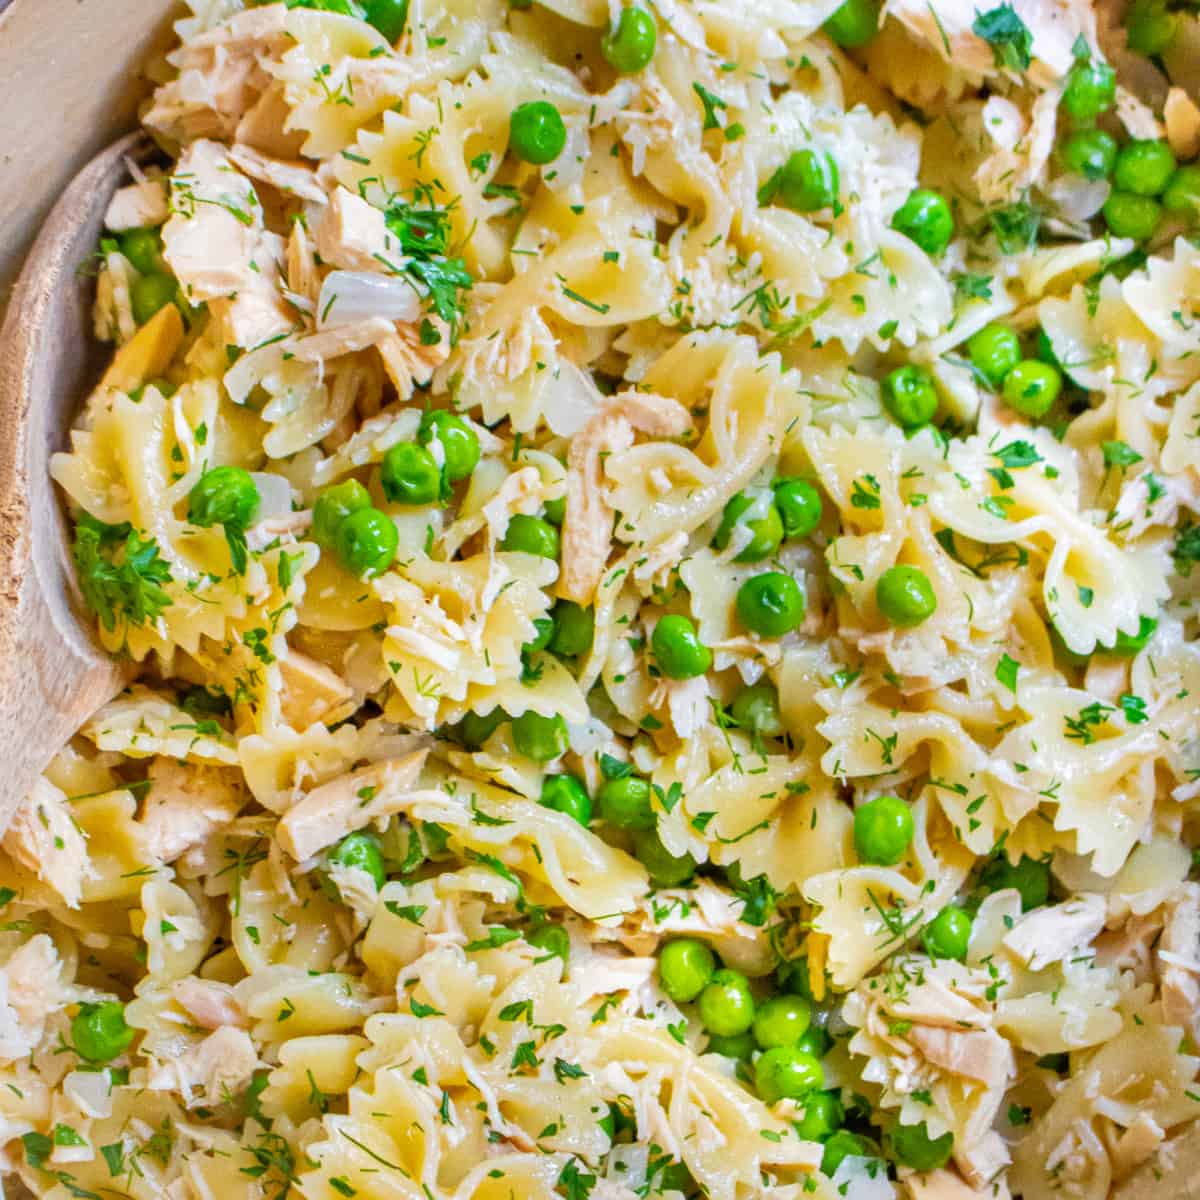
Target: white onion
[[351, 296], [91, 1091], [274, 495], [569, 398]]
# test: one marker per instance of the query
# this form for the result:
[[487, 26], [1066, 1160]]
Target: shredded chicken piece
[[220, 76], [347, 803], [980, 1054], [211, 240], [312, 692], [1128, 946], [138, 206], [1182, 119], [353, 234], [210, 1004], [292, 177], [587, 528], [259, 312], [1178, 959], [947, 28], [186, 804], [1048, 935], [983, 1160], [943, 1183], [211, 1071], [31, 990], [930, 1002], [1020, 158], [1137, 116], [43, 839], [303, 274], [407, 361]]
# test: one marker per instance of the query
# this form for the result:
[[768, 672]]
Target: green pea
[[387, 16], [143, 248], [994, 350], [925, 218], [574, 629], [1029, 876], [799, 505], [757, 709], [823, 1115], [540, 738], [223, 496], [1144, 167], [333, 506], [677, 648], [366, 542], [536, 133], [630, 46], [854, 24], [781, 1021], [1150, 27], [1127, 215], [785, 1073], [566, 794], [1182, 196], [664, 868], [770, 604], [475, 728], [625, 803], [554, 939], [149, 293], [815, 1041], [555, 511], [726, 1004], [740, 1046], [543, 633], [760, 518], [1129, 644], [459, 442], [99, 1032], [685, 968], [361, 850], [842, 1145], [913, 1147], [410, 475], [949, 934], [1091, 89], [808, 181], [531, 535], [905, 596], [883, 829], [1091, 153], [910, 397], [1031, 387]]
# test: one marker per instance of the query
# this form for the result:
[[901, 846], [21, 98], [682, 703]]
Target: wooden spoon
[[53, 675]]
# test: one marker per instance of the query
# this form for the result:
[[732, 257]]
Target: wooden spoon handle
[[52, 675]]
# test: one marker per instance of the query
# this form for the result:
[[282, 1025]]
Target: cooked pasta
[[656, 542]]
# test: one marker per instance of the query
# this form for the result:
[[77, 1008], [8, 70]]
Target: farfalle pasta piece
[[1093, 588]]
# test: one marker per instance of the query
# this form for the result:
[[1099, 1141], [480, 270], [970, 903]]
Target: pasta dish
[[656, 542]]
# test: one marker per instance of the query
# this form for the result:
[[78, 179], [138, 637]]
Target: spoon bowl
[[53, 674]]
